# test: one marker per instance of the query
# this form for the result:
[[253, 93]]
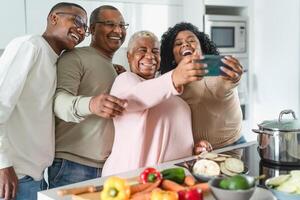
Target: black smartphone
[[213, 65]]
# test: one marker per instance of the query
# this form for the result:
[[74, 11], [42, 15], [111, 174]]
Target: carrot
[[203, 186], [153, 186], [141, 196], [139, 187], [189, 180], [171, 185], [149, 189]]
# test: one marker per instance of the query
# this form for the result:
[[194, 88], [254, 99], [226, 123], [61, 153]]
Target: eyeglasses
[[78, 21], [113, 25]]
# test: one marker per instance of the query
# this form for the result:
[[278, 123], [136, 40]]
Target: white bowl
[[282, 195]]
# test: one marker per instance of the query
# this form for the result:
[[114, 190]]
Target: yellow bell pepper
[[115, 188], [159, 194]]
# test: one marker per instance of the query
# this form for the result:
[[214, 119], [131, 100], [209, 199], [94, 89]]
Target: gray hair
[[140, 34]]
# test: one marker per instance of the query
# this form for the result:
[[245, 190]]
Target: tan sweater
[[216, 111], [81, 137]]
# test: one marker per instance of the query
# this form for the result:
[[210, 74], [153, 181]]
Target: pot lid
[[285, 125]]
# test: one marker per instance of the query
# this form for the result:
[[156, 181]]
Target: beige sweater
[[216, 112], [80, 136]]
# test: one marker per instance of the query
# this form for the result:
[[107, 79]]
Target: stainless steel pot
[[279, 140]]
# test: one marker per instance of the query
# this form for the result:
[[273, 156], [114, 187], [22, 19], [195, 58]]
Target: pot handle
[[285, 112], [262, 132]]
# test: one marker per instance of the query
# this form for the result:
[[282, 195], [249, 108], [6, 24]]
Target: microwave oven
[[229, 33]]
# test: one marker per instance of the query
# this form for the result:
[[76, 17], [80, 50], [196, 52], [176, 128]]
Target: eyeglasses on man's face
[[78, 21], [113, 25]]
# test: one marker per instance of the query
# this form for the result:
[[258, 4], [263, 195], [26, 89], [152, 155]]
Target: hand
[[8, 183], [107, 106], [202, 146], [188, 70], [119, 68], [235, 73]]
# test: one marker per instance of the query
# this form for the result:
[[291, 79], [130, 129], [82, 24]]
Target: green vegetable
[[176, 174], [237, 182], [224, 184]]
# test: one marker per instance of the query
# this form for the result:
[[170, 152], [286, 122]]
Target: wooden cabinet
[[12, 13]]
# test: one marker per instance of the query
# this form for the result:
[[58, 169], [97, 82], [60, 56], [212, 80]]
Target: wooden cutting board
[[87, 196], [96, 196]]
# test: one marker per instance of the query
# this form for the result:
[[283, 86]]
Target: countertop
[[247, 152]]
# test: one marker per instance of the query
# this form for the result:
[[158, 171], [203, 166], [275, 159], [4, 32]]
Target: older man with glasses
[[27, 87], [83, 106]]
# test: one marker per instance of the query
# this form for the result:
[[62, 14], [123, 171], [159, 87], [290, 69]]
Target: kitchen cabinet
[[37, 12], [141, 16], [193, 12], [12, 14], [232, 3], [275, 61]]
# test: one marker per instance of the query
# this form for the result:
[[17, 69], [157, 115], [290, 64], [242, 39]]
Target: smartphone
[[213, 65]]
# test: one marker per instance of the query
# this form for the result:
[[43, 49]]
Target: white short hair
[[140, 34]]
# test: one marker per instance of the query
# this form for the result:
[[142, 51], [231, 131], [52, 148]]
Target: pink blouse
[[156, 126]]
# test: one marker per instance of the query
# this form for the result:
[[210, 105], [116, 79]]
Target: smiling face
[[144, 57], [186, 42], [67, 25], [108, 38]]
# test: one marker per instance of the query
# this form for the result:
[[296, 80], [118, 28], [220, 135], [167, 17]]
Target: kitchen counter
[[247, 152]]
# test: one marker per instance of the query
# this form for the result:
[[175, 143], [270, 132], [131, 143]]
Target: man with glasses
[[83, 106], [27, 86]]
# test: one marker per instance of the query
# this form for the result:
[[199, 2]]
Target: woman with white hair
[[156, 126]]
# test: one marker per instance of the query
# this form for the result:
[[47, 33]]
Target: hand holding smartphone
[[214, 63]]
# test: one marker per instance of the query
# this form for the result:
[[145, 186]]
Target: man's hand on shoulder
[[119, 68], [107, 106], [8, 183]]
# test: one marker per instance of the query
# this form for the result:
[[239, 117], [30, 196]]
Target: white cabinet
[[12, 13], [141, 16], [232, 3], [275, 58], [193, 12], [156, 17]]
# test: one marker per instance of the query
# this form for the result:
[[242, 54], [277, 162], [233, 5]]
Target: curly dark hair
[[167, 41]]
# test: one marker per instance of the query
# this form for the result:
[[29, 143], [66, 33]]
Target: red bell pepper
[[150, 175], [191, 194]]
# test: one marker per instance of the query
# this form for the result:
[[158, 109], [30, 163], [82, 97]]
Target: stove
[[249, 154]]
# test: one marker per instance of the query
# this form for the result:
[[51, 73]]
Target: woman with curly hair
[[214, 101]]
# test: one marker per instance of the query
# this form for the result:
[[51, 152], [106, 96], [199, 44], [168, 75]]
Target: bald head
[[95, 15]]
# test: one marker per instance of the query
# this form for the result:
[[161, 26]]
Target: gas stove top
[[249, 154]]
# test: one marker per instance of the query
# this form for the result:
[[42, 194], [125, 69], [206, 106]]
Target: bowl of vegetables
[[285, 187], [237, 187], [211, 165]]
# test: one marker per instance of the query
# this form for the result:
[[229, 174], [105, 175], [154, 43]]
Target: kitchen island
[[247, 152]]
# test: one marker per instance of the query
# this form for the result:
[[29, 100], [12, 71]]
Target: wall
[[156, 16], [274, 58], [193, 11], [13, 22]]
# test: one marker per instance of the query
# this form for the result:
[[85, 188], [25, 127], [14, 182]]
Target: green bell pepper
[[176, 174]]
